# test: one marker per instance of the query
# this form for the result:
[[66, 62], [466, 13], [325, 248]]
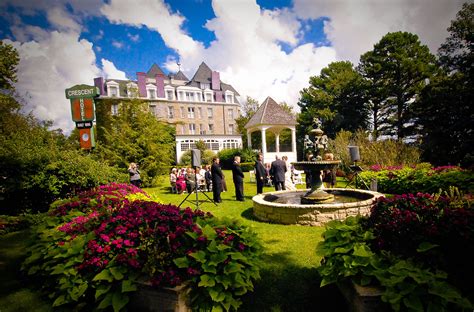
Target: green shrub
[[206, 158], [384, 152], [226, 156], [247, 166], [94, 249], [422, 178], [412, 246]]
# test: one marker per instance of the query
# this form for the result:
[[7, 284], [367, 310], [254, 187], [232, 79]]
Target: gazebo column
[[277, 142], [249, 139], [264, 141], [293, 140]]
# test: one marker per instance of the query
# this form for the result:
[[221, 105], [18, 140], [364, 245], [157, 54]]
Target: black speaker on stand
[[196, 162], [356, 169]]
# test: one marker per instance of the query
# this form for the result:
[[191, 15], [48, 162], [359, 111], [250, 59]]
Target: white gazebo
[[271, 117]]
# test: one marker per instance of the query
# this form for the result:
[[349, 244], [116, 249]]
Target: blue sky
[[263, 48]]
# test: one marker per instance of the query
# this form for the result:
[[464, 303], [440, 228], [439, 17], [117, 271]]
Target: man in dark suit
[[216, 176], [278, 170], [238, 177], [260, 173]]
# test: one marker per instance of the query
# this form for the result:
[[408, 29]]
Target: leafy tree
[[8, 62], [446, 110], [338, 97], [248, 109], [397, 68], [456, 54], [135, 135]]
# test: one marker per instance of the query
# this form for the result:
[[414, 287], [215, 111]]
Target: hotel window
[[153, 110], [190, 112], [229, 98], [113, 91], [231, 129], [210, 113], [199, 97], [181, 96], [152, 93], [211, 128], [192, 129], [199, 112], [169, 95], [114, 109], [231, 144], [190, 96], [170, 112], [201, 129], [205, 86], [208, 97], [212, 145], [182, 129], [230, 114], [183, 112]]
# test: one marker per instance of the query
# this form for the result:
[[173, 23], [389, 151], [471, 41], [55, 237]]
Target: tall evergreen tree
[[446, 110], [338, 97], [397, 68]]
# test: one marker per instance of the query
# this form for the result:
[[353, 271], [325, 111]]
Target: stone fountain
[[317, 205]]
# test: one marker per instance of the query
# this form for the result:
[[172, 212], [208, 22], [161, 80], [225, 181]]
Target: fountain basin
[[273, 206]]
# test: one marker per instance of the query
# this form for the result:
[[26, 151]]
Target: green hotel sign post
[[83, 112]]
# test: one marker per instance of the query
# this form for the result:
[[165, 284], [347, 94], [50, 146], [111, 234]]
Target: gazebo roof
[[271, 113]]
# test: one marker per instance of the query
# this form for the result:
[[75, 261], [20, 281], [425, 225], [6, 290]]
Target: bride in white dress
[[289, 186]]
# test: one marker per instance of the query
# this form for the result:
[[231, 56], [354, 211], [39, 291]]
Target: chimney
[[99, 83], [160, 85], [141, 79], [219, 96], [215, 80]]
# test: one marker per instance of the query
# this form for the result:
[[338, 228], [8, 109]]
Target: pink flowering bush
[[100, 244], [416, 248], [422, 178]]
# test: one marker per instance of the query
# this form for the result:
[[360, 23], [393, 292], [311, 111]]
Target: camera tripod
[[196, 190], [356, 181]]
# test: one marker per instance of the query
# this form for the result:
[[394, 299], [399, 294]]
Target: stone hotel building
[[203, 108]]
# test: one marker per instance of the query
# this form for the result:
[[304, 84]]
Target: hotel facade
[[203, 108]]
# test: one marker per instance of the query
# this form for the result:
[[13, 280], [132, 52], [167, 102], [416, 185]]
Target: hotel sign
[[81, 91], [83, 113]]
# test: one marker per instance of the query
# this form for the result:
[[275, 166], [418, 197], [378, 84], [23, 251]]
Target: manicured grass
[[289, 280]]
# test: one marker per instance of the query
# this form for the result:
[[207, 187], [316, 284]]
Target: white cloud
[[134, 38], [156, 15], [355, 26], [47, 67], [61, 20], [118, 44], [246, 51], [110, 71]]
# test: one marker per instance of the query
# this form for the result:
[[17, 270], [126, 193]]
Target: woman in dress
[[288, 181]]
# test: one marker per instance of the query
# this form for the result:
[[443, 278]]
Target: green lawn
[[289, 278]]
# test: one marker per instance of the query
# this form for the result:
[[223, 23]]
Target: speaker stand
[[356, 181], [196, 190]]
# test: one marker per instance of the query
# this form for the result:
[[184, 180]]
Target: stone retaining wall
[[313, 215]]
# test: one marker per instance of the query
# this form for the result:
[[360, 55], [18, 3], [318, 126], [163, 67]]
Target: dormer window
[[169, 95], [205, 86], [229, 96], [208, 96], [113, 89], [190, 96], [151, 91]]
